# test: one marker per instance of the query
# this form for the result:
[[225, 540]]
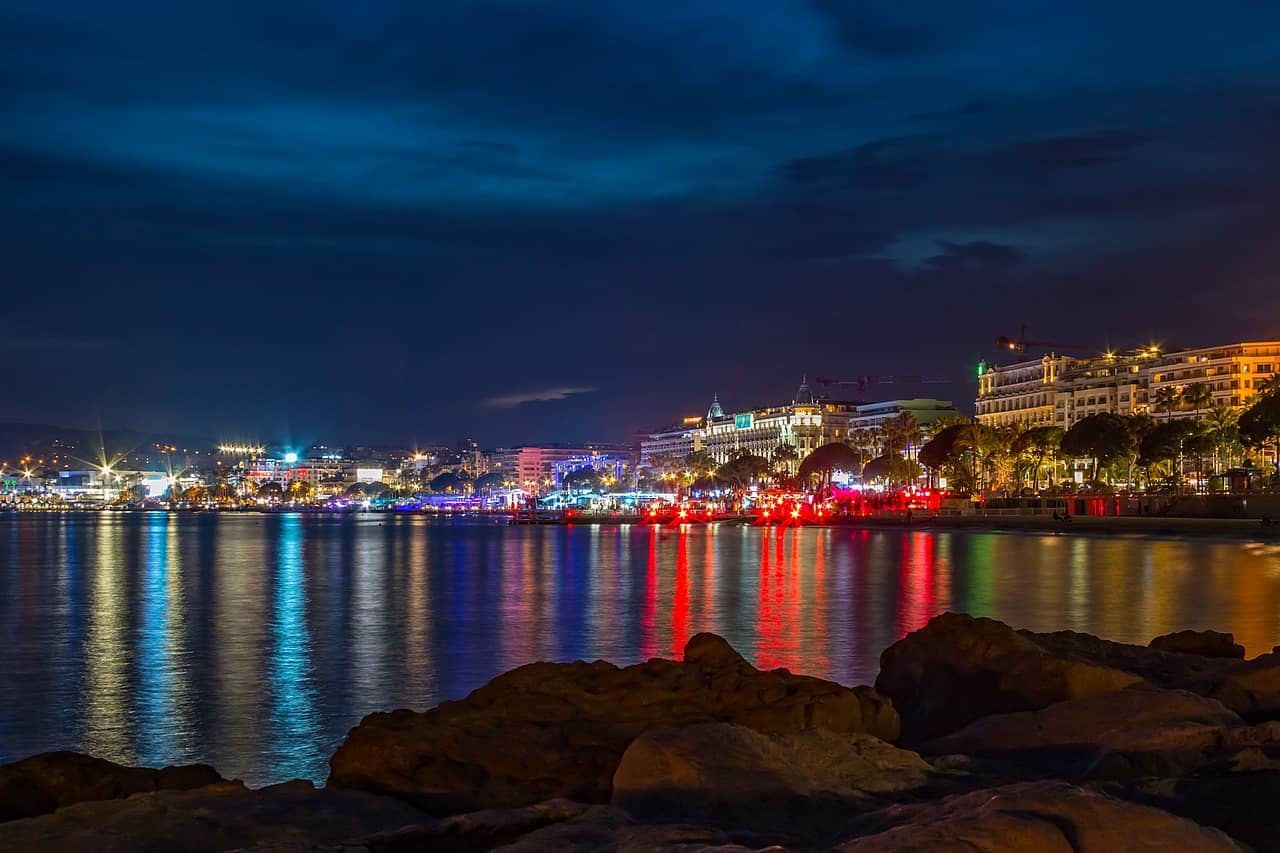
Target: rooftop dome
[[715, 411], [804, 396]]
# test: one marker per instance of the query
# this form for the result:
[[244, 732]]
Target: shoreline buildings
[[539, 467], [805, 424], [1058, 390]]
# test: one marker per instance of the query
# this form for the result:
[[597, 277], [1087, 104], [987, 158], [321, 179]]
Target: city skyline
[[539, 221]]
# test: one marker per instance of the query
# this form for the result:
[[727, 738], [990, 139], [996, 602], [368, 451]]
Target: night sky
[[528, 221]]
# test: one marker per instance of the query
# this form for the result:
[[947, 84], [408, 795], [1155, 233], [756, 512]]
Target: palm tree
[[1267, 387], [1221, 426], [1197, 397], [784, 457], [699, 464], [901, 434], [1166, 399], [1139, 425], [1038, 443]]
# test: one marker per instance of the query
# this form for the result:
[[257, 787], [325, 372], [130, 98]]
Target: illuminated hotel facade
[[805, 424], [1057, 390]]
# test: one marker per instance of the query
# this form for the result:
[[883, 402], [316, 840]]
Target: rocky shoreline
[[975, 736]]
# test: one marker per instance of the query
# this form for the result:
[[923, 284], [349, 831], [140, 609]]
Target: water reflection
[[255, 642], [292, 726], [164, 701], [106, 706]]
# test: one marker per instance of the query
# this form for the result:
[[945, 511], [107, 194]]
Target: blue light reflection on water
[[292, 725], [255, 642]]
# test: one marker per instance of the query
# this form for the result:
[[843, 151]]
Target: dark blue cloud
[[372, 218]]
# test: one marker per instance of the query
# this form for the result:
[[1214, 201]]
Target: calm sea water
[[254, 642]]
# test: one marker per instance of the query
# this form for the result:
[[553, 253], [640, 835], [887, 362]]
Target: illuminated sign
[[369, 475], [743, 421]]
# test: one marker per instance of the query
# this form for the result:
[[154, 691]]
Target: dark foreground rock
[[803, 784], [226, 816], [1241, 804], [958, 669], [1035, 817], [605, 829], [43, 783], [1139, 731], [559, 730], [1209, 644]]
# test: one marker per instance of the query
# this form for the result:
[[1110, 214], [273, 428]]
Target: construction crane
[[1020, 345], [862, 382]]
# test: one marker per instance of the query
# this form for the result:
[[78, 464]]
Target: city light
[[242, 449], [290, 458]]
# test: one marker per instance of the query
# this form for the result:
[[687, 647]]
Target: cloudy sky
[[550, 220]]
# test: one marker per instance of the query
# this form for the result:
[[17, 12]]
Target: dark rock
[[797, 783], [606, 829], [46, 782], [1243, 805], [1034, 817], [1248, 687], [226, 816], [481, 830], [1209, 644], [559, 730], [958, 669], [1140, 731]]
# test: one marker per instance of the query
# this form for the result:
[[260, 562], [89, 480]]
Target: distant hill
[[65, 447]]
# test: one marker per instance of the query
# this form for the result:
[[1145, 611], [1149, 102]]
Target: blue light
[[290, 458]]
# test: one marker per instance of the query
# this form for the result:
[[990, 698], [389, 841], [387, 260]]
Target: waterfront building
[[926, 411], [530, 467], [1057, 390], [608, 464], [329, 475], [1232, 372], [805, 424], [678, 440]]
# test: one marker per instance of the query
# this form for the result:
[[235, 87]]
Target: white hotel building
[[1058, 390], [806, 423]]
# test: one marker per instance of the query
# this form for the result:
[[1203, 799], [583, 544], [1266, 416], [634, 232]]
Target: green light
[[982, 368]]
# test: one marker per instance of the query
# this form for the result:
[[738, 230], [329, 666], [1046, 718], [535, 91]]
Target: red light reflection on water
[[649, 608], [680, 595], [778, 604], [916, 587]]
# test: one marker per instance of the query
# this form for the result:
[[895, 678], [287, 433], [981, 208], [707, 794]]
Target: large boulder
[[602, 828], [1243, 805], [51, 780], [1139, 731], [797, 783], [559, 730], [1209, 644], [958, 669], [226, 816], [483, 830], [1248, 687], [1035, 817]]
